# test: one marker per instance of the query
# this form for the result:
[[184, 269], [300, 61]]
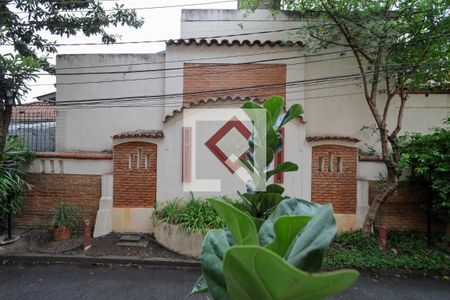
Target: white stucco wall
[[199, 23], [90, 127]]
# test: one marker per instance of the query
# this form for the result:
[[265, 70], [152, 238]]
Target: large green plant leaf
[[286, 166], [275, 106], [253, 272], [286, 229], [239, 223], [201, 286], [293, 112], [275, 188], [267, 202], [215, 244], [309, 247]]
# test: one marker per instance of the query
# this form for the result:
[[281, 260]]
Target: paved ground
[[77, 281]]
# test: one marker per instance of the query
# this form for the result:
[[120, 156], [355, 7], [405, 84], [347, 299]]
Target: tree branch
[[327, 41], [403, 98]]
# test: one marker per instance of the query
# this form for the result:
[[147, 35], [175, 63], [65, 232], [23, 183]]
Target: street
[[83, 281]]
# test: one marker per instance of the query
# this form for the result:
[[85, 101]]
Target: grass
[[406, 250], [192, 215]]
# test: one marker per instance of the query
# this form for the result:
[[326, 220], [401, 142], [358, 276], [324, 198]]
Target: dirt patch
[[41, 241], [107, 245]]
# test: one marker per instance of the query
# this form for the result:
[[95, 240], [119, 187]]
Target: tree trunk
[[390, 186], [5, 120]]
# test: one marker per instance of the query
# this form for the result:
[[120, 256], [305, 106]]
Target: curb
[[183, 263], [155, 262], [397, 272]]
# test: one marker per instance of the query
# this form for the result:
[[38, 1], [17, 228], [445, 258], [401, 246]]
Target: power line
[[205, 58], [328, 85], [256, 61], [175, 61], [158, 103], [266, 86], [258, 67], [133, 8], [197, 38]]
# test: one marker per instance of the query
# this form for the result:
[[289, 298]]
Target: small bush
[[406, 250], [194, 215]]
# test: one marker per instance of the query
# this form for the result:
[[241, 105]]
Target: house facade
[[123, 144]]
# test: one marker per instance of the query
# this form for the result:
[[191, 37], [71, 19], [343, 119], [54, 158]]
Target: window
[[339, 164], [330, 162]]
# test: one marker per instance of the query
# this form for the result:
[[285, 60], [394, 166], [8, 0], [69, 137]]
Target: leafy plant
[[13, 162], [281, 260], [65, 216], [428, 155], [260, 204], [405, 250], [276, 258], [194, 215]]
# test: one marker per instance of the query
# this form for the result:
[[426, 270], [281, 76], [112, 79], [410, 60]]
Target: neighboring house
[[35, 123], [120, 122]]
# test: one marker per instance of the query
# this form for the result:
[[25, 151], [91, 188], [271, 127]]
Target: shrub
[[65, 215], [406, 250], [193, 215], [13, 163]]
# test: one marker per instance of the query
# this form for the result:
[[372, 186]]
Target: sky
[[160, 24]]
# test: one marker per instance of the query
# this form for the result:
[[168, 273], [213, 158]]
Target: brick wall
[[201, 77], [84, 191], [402, 210], [334, 170], [134, 174]]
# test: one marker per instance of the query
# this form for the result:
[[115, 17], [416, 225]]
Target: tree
[[428, 156], [21, 24], [398, 45]]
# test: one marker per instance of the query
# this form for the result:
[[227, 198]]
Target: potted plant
[[63, 219]]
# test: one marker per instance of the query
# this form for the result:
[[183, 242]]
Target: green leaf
[[293, 112], [275, 106], [239, 223], [286, 229], [267, 202], [275, 189], [253, 272], [215, 244], [286, 166], [200, 286], [308, 249]]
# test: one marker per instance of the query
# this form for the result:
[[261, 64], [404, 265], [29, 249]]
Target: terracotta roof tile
[[140, 134], [332, 138], [35, 111], [230, 43], [208, 101], [214, 100]]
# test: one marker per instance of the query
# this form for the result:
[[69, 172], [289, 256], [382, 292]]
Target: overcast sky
[[160, 24]]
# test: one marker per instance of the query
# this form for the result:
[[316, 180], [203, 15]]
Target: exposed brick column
[[334, 170], [135, 165]]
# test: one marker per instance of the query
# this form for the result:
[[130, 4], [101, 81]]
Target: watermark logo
[[217, 141]]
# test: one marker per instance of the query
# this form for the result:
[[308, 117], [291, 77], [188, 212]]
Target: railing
[[35, 123]]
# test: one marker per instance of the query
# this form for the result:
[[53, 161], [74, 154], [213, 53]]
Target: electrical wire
[[265, 86]]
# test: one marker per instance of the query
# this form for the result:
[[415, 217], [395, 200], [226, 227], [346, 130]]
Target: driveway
[[78, 281]]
